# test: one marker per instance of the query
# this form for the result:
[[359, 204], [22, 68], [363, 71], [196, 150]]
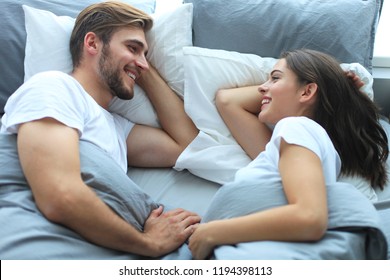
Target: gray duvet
[[354, 227], [354, 230]]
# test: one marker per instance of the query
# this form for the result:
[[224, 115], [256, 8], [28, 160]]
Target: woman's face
[[281, 94]]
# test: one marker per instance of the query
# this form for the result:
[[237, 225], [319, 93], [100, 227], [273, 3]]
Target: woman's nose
[[263, 88]]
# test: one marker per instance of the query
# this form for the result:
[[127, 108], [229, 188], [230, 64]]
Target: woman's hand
[[354, 78], [201, 242]]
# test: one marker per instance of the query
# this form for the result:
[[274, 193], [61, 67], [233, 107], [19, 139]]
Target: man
[[53, 111]]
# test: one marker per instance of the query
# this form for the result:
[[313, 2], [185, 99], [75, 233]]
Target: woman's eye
[[274, 78]]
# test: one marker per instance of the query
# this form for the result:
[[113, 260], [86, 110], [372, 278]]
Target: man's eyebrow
[[139, 43]]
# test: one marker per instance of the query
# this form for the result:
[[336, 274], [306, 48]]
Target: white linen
[[207, 158], [175, 189]]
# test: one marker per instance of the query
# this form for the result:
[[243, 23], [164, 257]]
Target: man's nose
[[142, 63]]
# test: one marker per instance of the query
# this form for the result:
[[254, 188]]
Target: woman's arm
[[304, 218], [239, 108]]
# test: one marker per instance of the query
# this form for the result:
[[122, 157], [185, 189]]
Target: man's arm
[[49, 155], [151, 147]]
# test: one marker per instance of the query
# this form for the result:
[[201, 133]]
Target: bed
[[196, 58]]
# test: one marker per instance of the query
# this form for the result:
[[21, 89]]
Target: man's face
[[123, 60]]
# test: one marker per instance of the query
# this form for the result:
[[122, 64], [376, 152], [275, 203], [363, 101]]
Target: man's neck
[[93, 87]]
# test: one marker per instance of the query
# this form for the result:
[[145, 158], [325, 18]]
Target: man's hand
[[167, 231]]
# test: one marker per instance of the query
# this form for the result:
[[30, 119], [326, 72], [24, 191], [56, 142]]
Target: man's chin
[[124, 96]]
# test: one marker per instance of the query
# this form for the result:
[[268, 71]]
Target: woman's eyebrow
[[276, 70]]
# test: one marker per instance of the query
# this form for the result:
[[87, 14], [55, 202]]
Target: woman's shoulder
[[296, 122], [301, 128]]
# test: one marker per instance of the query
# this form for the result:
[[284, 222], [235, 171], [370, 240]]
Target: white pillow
[[47, 42], [47, 49], [207, 70], [364, 75], [214, 154]]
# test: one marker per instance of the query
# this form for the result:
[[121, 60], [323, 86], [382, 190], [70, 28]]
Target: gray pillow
[[13, 35], [345, 29]]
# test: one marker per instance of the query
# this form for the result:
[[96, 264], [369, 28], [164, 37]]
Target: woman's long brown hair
[[349, 116]]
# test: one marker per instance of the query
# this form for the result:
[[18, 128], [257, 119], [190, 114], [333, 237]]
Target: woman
[[324, 127], [242, 105]]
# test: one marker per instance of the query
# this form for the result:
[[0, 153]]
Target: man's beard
[[111, 76]]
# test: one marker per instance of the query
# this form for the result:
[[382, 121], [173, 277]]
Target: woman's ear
[[310, 91]]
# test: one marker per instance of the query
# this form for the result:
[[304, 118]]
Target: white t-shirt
[[300, 131], [58, 95]]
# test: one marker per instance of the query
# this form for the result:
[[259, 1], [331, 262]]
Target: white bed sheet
[[175, 189]]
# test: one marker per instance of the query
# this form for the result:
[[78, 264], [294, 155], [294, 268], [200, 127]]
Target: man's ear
[[91, 42], [309, 92]]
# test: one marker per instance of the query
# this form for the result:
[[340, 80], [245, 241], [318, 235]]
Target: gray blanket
[[354, 227], [26, 234]]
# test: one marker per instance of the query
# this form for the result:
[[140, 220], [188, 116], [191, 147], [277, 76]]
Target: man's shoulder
[[52, 81], [58, 75], [52, 86]]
